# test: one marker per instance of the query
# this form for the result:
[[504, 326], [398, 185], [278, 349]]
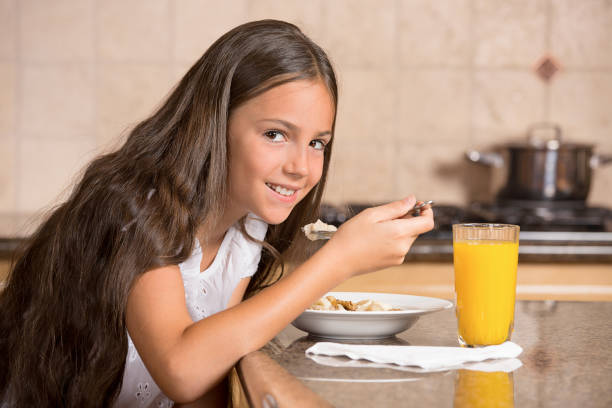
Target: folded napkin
[[426, 357], [506, 365]]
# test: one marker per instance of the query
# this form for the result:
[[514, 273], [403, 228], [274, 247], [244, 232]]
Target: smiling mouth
[[281, 190]]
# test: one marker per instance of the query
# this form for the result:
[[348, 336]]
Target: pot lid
[[546, 136]]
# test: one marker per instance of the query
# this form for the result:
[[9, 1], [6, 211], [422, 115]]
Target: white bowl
[[368, 325]]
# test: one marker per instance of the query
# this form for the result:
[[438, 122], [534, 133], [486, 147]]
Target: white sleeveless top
[[206, 293]]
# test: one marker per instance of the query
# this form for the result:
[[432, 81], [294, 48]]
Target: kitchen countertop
[[567, 361]]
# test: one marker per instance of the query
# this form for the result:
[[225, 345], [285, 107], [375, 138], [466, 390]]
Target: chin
[[275, 217], [275, 220]]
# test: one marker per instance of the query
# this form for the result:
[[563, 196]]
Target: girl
[[131, 292]]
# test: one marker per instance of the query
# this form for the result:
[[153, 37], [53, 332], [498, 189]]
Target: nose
[[296, 163]]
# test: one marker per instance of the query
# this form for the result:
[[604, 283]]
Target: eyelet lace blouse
[[206, 293]]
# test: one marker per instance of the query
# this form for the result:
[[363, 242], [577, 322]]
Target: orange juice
[[485, 286], [476, 389]]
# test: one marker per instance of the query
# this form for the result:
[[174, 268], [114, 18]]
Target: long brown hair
[[63, 338]]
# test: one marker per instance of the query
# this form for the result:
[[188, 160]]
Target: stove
[[564, 231]]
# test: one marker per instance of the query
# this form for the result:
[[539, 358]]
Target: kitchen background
[[421, 82]]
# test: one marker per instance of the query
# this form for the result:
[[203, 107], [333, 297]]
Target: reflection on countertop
[[567, 361]]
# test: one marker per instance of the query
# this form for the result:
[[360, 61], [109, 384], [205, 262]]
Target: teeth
[[281, 190]]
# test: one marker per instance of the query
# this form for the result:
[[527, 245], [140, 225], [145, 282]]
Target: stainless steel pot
[[543, 167]]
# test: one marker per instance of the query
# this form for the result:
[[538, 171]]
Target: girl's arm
[[186, 358]]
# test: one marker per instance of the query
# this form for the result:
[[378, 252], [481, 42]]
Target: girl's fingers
[[416, 225], [393, 210]]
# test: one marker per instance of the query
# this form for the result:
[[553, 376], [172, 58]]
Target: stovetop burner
[[557, 232], [556, 216], [530, 215]]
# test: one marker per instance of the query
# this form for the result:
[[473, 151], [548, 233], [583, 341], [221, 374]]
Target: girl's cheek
[[317, 172]]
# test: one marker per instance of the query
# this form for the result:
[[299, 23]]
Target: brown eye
[[318, 144], [274, 135]]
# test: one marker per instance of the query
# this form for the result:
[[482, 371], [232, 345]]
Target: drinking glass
[[485, 259]]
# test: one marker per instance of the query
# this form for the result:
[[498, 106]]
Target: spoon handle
[[416, 210]]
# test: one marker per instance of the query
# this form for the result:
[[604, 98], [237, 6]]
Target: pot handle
[[539, 135], [489, 159], [598, 161]]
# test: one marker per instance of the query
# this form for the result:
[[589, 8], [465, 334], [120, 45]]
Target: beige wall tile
[[133, 30], [305, 14], [509, 33], [581, 32], [601, 187], [367, 106], [410, 103], [126, 94], [361, 172], [56, 100], [56, 31], [8, 28], [178, 71], [437, 173], [7, 97], [434, 33], [8, 179], [47, 169], [581, 103], [434, 106], [360, 33], [200, 22], [506, 102]]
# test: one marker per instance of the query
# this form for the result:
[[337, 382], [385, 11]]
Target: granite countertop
[[567, 361]]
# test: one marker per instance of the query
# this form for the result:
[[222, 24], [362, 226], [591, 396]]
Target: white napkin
[[426, 357], [506, 365]]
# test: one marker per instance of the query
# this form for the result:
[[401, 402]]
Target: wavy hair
[[63, 337]]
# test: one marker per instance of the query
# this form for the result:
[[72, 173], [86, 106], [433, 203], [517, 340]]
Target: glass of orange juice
[[485, 259]]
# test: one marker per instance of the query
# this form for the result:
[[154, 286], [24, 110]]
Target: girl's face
[[276, 144]]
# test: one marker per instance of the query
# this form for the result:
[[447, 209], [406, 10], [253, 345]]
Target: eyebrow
[[292, 127]]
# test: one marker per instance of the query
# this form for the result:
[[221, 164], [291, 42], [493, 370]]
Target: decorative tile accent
[[547, 68], [414, 75]]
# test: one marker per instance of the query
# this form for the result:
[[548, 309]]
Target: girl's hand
[[378, 237]]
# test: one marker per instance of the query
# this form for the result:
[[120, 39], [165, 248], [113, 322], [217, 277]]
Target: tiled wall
[[421, 81]]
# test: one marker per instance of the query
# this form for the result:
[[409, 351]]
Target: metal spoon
[[414, 211]]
